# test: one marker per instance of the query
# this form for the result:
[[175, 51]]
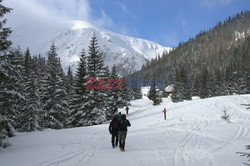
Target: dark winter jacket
[[123, 124], [114, 126], [118, 117]]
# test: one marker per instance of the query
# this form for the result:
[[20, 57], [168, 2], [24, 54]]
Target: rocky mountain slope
[[127, 53]]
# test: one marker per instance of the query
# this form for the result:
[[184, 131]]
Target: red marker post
[[165, 113]]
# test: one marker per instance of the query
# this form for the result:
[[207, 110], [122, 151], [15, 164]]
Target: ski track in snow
[[183, 154], [82, 156], [193, 135]]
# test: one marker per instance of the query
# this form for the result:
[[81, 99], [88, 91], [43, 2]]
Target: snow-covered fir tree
[[8, 99], [95, 110], [54, 97], [4, 32], [125, 95], [136, 94], [133, 84], [182, 86], [154, 95], [110, 103], [16, 59], [69, 82], [205, 83], [178, 89], [78, 101], [113, 92], [31, 109], [8, 78]]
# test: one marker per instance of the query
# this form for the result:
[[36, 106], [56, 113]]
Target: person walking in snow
[[123, 124], [165, 113], [127, 110], [119, 116], [114, 131]]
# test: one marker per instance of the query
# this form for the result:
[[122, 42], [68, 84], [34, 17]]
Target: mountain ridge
[[127, 53]]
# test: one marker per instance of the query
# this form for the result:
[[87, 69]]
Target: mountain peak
[[77, 24], [127, 53]]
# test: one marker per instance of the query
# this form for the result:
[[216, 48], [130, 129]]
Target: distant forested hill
[[215, 62]]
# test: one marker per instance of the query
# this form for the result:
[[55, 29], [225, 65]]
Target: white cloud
[[44, 13], [33, 12], [74, 9], [33, 20]]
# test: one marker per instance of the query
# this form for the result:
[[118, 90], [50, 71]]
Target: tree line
[[216, 62]]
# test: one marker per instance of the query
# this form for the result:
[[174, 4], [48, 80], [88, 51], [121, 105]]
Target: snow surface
[[127, 53], [193, 135], [169, 88]]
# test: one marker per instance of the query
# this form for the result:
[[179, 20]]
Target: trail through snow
[[193, 135]]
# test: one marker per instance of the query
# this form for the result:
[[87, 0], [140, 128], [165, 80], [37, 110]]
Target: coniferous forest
[[214, 63], [35, 93]]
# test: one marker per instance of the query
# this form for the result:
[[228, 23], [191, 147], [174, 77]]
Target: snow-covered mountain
[[127, 53]]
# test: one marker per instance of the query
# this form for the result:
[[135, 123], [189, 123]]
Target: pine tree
[[205, 84], [154, 95], [54, 99], [78, 115], [31, 108], [8, 97], [62, 97], [136, 91], [114, 95], [178, 89], [187, 94], [69, 81], [137, 94], [110, 103], [96, 98], [218, 83], [8, 76], [27, 64], [4, 32], [126, 94], [196, 86], [15, 58]]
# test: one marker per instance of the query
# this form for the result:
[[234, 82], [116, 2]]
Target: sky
[[167, 22]]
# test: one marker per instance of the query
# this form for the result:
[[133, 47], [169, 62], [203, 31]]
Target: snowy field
[[193, 135]]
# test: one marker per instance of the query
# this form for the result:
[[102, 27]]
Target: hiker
[[119, 116], [127, 110], [123, 124], [165, 112], [116, 109], [114, 131]]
